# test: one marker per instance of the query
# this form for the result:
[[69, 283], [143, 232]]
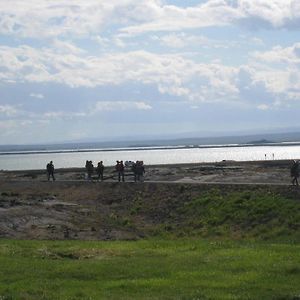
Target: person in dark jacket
[[120, 170], [89, 169], [100, 170], [50, 170], [138, 170], [295, 172]]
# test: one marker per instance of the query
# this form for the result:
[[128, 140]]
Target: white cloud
[[37, 95], [8, 110], [63, 115], [65, 47], [275, 13], [171, 18], [279, 54], [81, 18], [171, 73], [120, 105], [181, 40], [271, 75], [263, 107], [279, 69], [54, 18], [250, 13]]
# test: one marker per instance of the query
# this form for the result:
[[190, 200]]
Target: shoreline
[[262, 172], [172, 165], [58, 151]]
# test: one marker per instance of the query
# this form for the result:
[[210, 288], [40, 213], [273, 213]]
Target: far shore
[[140, 148]]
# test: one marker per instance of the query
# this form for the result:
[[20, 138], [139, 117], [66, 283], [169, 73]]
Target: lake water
[[153, 156]]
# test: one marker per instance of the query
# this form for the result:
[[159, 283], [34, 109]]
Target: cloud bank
[[141, 57]]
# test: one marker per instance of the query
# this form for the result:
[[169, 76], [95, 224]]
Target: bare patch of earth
[[275, 171], [73, 208]]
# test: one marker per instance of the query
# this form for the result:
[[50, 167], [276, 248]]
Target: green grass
[[256, 214], [208, 243], [149, 269]]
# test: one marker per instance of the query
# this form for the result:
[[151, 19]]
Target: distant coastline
[[142, 148], [184, 141]]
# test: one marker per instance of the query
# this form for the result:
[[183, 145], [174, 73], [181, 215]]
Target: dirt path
[[180, 181]]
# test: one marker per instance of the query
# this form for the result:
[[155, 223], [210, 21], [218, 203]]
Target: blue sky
[[102, 70]]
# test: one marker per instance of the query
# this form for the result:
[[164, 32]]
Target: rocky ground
[[274, 171], [73, 208]]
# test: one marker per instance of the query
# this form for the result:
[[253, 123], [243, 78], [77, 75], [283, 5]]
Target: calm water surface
[[165, 156]]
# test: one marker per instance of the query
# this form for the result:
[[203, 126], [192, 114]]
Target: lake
[[149, 156]]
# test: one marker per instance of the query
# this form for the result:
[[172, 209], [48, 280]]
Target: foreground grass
[[149, 269], [258, 214]]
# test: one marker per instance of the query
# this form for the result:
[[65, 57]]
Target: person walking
[[50, 170]]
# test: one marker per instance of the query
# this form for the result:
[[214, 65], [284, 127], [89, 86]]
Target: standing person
[[87, 169], [50, 170], [295, 172], [90, 170], [139, 170], [100, 170], [142, 171], [120, 170]]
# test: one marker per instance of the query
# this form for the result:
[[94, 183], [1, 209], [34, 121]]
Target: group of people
[[138, 170], [90, 169]]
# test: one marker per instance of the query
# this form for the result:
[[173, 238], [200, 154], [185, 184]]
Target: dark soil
[[125, 211]]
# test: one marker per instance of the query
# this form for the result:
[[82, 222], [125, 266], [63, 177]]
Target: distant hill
[[262, 141]]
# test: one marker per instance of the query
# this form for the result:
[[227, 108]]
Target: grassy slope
[[128, 211], [250, 251], [149, 269], [259, 213]]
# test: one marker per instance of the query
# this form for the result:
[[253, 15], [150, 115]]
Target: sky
[[104, 70]]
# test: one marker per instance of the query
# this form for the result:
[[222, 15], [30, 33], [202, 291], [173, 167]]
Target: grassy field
[[188, 242], [149, 269]]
